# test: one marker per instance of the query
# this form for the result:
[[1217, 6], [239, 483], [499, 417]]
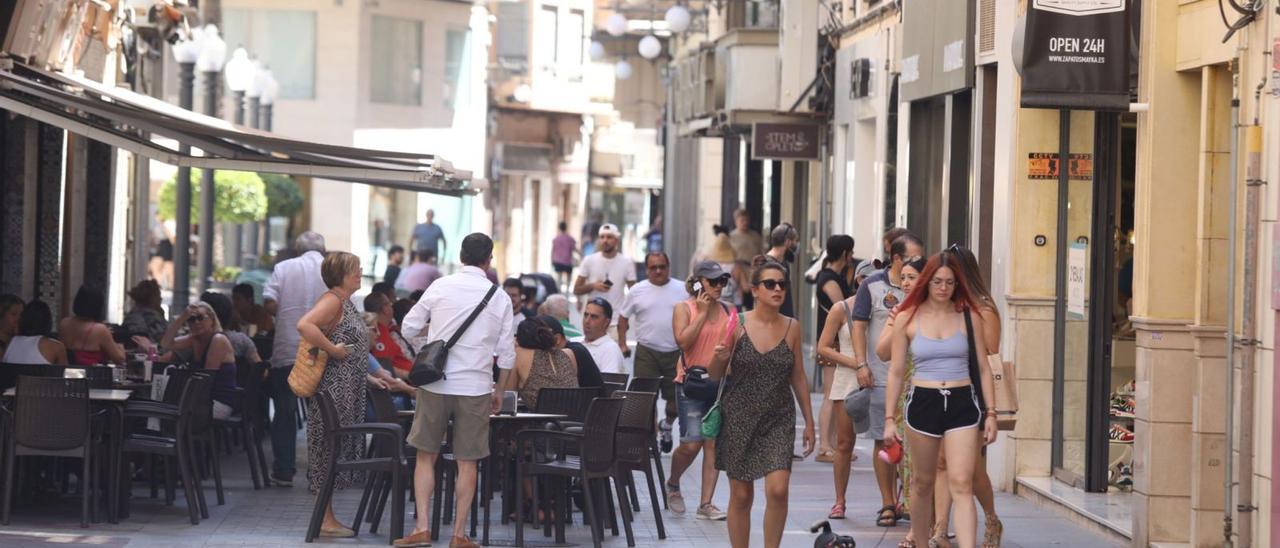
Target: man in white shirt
[[606, 273], [294, 288], [650, 307], [595, 326], [467, 394]]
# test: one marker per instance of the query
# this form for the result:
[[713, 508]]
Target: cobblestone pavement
[[278, 517]]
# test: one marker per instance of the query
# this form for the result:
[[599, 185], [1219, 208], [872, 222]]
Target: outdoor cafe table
[[113, 401], [503, 428]]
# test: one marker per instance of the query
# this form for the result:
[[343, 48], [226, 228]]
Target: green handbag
[[714, 417]]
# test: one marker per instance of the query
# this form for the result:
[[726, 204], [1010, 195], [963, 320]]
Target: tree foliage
[[240, 197], [284, 196]]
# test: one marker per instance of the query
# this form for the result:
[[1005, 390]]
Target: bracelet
[[890, 418], [860, 366]]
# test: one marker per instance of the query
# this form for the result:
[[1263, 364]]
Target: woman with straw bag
[[343, 374]]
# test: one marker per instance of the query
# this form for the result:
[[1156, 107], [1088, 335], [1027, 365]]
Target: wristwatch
[[859, 366]]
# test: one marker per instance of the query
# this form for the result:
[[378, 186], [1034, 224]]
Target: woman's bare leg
[[826, 421], [962, 456], [709, 473], [844, 450], [741, 497], [942, 495], [924, 467], [777, 486]]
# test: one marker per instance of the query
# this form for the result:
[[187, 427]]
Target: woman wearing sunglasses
[[764, 371], [210, 347], [701, 324], [943, 406]]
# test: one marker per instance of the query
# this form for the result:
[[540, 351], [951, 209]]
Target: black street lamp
[[185, 52], [213, 54], [239, 74], [268, 100]]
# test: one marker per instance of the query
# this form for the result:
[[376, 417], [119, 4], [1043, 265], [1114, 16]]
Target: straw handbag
[[308, 364], [1006, 389]]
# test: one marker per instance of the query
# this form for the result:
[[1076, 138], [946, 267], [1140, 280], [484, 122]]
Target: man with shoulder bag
[[470, 324]]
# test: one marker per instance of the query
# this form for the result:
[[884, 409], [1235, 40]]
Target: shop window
[[457, 61], [547, 37], [512, 37], [283, 40], [396, 61]]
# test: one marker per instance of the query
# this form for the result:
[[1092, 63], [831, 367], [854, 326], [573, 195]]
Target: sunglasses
[[658, 267], [718, 282], [196, 319], [773, 285]]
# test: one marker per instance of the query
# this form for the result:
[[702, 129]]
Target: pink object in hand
[[891, 454]]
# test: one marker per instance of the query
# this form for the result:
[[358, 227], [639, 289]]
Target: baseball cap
[[609, 228], [709, 270], [866, 268]]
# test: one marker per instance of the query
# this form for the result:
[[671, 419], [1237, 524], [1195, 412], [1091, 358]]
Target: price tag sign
[[1076, 280]]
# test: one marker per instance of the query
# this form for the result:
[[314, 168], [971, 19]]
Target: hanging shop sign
[[1045, 166], [784, 142], [1076, 276], [1075, 54]]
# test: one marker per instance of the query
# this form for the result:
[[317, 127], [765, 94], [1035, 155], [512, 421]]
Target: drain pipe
[[1228, 510], [1249, 342]]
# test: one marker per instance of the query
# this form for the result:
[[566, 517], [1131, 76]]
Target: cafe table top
[[95, 394]]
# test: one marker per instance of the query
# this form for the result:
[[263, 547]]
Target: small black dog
[[829, 539]]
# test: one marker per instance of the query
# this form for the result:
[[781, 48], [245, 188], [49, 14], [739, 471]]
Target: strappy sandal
[[825, 456], [890, 520], [994, 531], [907, 543], [837, 511], [939, 539]]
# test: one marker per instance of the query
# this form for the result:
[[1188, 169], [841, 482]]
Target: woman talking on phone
[[335, 326], [700, 324], [938, 324]]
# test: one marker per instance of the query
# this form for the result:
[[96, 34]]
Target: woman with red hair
[[945, 402]]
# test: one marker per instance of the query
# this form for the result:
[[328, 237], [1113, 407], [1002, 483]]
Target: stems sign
[[784, 142]]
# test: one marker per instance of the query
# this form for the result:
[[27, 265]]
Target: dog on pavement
[[828, 539]]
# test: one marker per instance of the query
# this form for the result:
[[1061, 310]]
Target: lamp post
[[254, 93], [239, 71], [213, 54], [269, 92], [185, 52]]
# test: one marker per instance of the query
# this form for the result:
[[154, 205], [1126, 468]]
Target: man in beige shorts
[[467, 394]]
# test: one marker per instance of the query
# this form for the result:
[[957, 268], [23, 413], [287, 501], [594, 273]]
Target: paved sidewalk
[[278, 517]]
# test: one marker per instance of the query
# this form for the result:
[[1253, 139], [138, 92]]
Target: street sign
[[784, 142]]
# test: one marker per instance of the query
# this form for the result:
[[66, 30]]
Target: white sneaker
[[710, 512], [675, 502]]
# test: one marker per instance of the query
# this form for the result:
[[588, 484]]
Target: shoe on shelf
[[1126, 389], [675, 502], [1120, 434], [1123, 407], [710, 512]]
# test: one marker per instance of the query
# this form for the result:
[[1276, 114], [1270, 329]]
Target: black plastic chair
[[616, 378], [247, 425], [635, 441], [645, 384], [597, 446], [652, 385], [378, 485], [51, 417], [571, 402], [180, 444], [608, 388], [388, 434]]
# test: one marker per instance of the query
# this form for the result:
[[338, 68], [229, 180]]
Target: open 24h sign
[[785, 141]]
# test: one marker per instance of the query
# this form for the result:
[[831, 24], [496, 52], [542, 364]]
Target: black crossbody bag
[[428, 365], [975, 373]]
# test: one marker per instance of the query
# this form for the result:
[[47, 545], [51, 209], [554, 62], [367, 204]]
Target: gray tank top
[[940, 360]]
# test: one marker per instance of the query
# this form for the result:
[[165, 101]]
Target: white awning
[[127, 120]]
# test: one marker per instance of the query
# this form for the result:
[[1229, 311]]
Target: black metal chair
[[597, 446], [51, 417], [616, 378], [389, 434], [247, 426], [635, 441], [177, 442]]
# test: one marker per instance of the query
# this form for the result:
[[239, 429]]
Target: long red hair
[[961, 296]]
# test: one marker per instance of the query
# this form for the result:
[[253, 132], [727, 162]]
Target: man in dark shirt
[[395, 258], [588, 371]]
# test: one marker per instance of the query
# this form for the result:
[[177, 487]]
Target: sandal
[[890, 520], [907, 543], [939, 539], [826, 456], [994, 530], [837, 511]]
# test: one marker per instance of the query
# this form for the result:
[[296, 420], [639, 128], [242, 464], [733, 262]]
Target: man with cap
[[606, 274]]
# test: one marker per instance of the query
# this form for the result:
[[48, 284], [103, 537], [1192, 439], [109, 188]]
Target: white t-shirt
[[607, 355], [620, 270], [649, 308]]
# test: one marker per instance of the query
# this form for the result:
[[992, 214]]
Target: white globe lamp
[[239, 70], [622, 69], [678, 18], [616, 25], [213, 51], [650, 47], [596, 50]]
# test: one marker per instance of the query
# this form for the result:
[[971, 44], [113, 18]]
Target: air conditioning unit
[[859, 78], [986, 28]]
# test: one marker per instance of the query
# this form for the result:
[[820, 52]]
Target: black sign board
[[784, 142], [1075, 55]]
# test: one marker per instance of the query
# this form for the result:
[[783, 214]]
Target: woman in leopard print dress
[[347, 344]]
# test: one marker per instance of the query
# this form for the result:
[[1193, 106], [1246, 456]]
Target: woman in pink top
[[563, 248], [703, 323]]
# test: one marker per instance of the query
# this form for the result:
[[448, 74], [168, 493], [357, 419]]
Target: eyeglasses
[[718, 282], [940, 282], [773, 285]]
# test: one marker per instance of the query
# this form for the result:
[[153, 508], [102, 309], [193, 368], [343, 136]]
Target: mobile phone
[[697, 288]]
